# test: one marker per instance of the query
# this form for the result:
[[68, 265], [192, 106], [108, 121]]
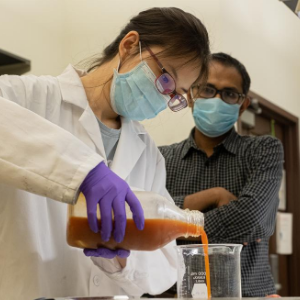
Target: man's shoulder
[[255, 143], [173, 149]]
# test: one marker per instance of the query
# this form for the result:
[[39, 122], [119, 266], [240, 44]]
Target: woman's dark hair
[[229, 61], [180, 34]]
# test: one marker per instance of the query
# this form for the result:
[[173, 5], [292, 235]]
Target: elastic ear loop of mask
[[140, 50], [140, 46]]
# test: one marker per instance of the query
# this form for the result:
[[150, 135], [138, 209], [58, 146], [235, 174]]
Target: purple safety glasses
[[166, 85]]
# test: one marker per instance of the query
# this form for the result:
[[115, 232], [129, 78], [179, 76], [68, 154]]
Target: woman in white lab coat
[[56, 131]]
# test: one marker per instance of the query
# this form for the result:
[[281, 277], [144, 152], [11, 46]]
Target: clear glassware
[[224, 269], [164, 222]]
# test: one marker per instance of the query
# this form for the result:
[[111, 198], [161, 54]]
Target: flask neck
[[195, 223]]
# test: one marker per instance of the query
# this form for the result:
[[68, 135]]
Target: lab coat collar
[[131, 144], [89, 122], [73, 92], [71, 87], [129, 149]]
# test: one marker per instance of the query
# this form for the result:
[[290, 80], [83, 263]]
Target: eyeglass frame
[[241, 96], [172, 94]]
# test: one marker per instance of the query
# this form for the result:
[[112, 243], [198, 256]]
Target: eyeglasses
[[227, 95], [166, 85]]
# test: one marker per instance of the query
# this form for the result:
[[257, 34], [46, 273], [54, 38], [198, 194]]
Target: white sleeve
[[145, 272], [40, 157]]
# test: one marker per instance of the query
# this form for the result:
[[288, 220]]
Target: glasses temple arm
[[155, 58]]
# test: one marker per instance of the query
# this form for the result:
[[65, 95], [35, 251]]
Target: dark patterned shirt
[[251, 169]]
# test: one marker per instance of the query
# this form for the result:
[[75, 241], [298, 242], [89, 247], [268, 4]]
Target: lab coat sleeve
[[40, 157], [146, 272]]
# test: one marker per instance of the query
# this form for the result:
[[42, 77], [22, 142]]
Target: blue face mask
[[134, 94], [213, 117]]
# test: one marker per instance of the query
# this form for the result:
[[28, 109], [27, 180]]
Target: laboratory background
[[44, 36]]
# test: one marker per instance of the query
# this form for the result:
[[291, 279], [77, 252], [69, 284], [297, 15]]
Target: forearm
[[202, 200], [253, 215], [39, 157], [122, 261], [244, 220]]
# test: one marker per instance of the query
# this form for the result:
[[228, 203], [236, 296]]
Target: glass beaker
[[225, 271]]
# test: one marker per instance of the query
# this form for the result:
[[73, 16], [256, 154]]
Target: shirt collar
[[230, 143], [189, 144]]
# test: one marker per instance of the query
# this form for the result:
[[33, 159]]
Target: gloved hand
[[104, 187], [106, 253]]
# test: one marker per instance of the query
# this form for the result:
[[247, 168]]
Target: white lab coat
[[38, 157]]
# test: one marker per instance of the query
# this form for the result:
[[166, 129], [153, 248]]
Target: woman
[[54, 148]]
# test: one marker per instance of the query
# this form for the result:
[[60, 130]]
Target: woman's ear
[[245, 105], [129, 44]]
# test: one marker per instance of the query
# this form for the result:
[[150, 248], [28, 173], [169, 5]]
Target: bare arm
[[216, 197]]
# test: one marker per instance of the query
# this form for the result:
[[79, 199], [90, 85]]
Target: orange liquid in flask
[[156, 234]]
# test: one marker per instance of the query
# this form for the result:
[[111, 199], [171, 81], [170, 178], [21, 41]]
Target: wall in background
[[35, 30], [262, 34], [265, 36]]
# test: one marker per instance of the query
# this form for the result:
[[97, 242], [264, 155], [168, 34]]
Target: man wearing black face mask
[[233, 179]]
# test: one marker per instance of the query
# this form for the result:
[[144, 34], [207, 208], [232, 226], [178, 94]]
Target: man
[[234, 180]]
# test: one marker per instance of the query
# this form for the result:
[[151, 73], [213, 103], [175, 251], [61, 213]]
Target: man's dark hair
[[229, 61]]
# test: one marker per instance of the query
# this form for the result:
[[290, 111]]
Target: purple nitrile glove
[[106, 253], [104, 187]]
